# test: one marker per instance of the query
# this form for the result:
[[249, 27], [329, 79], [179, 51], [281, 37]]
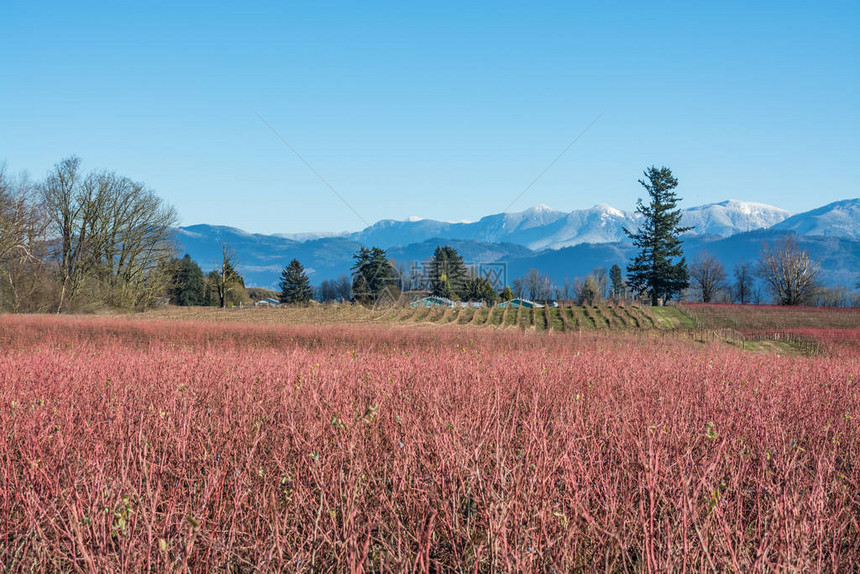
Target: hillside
[[557, 243], [838, 219]]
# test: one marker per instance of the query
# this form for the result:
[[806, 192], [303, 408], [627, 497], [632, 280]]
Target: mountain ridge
[[837, 219], [542, 227], [559, 241]]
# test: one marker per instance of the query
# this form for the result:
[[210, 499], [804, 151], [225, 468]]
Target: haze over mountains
[[558, 243]]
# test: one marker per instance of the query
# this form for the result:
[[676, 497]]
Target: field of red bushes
[[758, 319], [178, 446], [832, 330]]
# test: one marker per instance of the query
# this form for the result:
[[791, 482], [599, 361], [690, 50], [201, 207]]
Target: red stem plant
[[164, 446]]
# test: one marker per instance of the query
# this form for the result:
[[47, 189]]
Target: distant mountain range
[[542, 227], [558, 243]]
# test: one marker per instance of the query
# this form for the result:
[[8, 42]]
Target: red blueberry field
[[164, 445]]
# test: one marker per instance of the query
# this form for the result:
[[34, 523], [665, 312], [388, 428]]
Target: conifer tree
[[660, 269], [186, 286], [480, 289], [442, 288], [295, 285], [372, 273], [448, 264]]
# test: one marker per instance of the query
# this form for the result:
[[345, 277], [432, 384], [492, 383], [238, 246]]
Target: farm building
[[516, 303], [267, 302], [434, 301]]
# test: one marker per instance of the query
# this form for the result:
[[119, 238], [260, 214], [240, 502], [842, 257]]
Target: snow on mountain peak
[[537, 211], [732, 216], [837, 219], [542, 227], [608, 209], [541, 207]]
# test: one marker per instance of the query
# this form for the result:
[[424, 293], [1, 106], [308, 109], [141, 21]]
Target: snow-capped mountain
[[501, 227], [390, 232], [605, 224], [559, 243], [542, 227], [838, 219], [600, 224], [729, 217]]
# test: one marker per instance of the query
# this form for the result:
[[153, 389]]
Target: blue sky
[[435, 109]]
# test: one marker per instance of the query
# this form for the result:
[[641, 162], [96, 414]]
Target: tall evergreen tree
[[360, 291], [480, 289], [372, 273], [295, 285], [447, 273], [186, 287], [660, 268], [506, 294], [442, 288]]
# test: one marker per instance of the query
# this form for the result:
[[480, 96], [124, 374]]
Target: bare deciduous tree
[[743, 287], [586, 291], [61, 194], [568, 289], [339, 289], [22, 226], [593, 288], [532, 283], [133, 236], [790, 273], [836, 296], [225, 279], [109, 232], [707, 275], [538, 287], [519, 288]]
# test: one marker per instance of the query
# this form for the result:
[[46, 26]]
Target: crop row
[[565, 318]]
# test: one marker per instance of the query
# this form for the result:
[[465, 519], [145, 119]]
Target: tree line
[[658, 273], [376, 278], [78, 241], [81, 240], [223, 286]]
